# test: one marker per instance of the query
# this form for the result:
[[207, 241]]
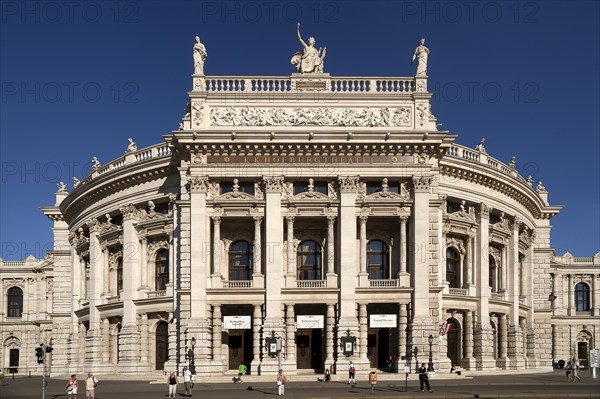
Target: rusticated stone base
[[483, 337]]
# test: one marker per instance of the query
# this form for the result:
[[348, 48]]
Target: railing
[[458, 291], [113, 299], [497, 296], [523, 300], [238, 284], [387, 283], [157, 294], [310, 283], [459, 151], [12, 263], [274, 84]]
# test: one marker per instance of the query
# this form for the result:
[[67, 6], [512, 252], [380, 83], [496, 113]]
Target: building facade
[[330, 212]]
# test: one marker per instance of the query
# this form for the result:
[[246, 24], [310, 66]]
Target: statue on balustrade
[[421, 55], [199, 54], [309, 59]]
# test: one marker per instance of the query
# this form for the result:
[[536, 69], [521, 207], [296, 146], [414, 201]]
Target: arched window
[[493, 274], [453, 267], [162, 269], [119, 275], [309, 261], [240, 261], [582, 297], [15, 302], [378, 260]]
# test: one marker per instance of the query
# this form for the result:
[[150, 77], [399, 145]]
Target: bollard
[[372, 380]]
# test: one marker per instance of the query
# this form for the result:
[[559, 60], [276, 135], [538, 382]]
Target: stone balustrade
[[310, 283], [458, 291], [387, 283], [237, 284], [459, 151]]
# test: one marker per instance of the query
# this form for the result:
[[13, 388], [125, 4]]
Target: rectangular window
[[13, 358]]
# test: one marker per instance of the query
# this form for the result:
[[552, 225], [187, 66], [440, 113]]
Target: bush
[[561, 363]]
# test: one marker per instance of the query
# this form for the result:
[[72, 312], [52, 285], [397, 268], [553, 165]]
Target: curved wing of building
[[304, 221]]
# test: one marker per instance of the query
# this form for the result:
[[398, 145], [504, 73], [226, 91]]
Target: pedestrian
[[568, 369], [172, 383], [187, 381], [327, 375], [423, 378], [351, 373], [91, 383], [241, 371], [575, 369], [280, 383], [71, 387]]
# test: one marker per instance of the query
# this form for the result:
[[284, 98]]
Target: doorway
[[454, 352], [162, 345], [378, 347], [240, 348], [582, 354], [309, 349]]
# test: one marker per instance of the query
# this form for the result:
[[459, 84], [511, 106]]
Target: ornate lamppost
[[191, 356], [416, 353], [430, 366]]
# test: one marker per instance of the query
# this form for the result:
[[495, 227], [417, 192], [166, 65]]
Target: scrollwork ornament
[[484, 210], [273, 183], [198, 184], [129, 212], [422, 183], [348, 184]]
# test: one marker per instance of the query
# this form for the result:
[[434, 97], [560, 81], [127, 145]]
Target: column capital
[[422, 183], [257, 219], [94, 225], [130, 212], [363, 219], [403, 218], [290, 219], [216, 219], [517, 223], [273, 184], [484, 210], [348, 184], [331, 219], [198, 184]]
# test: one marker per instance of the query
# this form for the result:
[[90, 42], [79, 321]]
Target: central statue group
[[309, 59]]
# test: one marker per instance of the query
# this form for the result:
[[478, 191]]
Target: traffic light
[[39, 353], [49, 349]]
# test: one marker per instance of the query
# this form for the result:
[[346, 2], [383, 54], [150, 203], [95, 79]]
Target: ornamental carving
[[496, 254], [129, 212], [49, 285], [456, 243], [331, 191], [94, 226], [348, 184], [155, 246], [113, 259], [310, 116], [311, 193], [422, 182], [517, 223], [423, 113], [464, 213], [385, 193], [197, 113], [502, 223], [198, 184], [273, 184], [13, 282], [484, 210]]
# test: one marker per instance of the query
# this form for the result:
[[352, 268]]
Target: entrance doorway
[[240, 348], [378, 347], [309, 349], [162, 345], [454, 342], [582, 354]]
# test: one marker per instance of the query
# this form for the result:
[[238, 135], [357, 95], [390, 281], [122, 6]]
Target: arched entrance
[[583, 347], [454, 341], [162, 345]]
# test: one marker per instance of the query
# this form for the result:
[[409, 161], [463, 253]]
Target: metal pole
[[43, 371]]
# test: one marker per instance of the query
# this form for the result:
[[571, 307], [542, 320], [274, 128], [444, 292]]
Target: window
[[119, 275], [241, 261], [582, 297], [15, 302], [243, 186], [309, 261], [378, 260], [493, 271], [453, 267], [318, 186], [162, 269]]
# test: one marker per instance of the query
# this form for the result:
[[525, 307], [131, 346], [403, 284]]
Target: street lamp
[[191, 356], [430, 366], [416, 352]]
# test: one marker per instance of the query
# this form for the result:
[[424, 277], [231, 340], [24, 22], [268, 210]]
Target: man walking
[[187, 381], [241, 371], [91, 383], [575, 369], [351, 373]]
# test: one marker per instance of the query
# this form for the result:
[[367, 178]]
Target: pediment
[[311, 195], [387, 195], [236, 195]]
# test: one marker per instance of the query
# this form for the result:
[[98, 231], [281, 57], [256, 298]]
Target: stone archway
[[454, 336], [162, 345], [584, 344]]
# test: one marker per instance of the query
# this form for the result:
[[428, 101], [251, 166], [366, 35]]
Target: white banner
[[308, 321], [383, 320], [237, 322]]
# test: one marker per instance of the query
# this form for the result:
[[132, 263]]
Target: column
[[502, 360], [404, 276], [515, 352], [329, 335], [256, 341], [571, 296], [555, 344], [129, 337], [402, 324], [347, 247], [105, 340], [362, 342], [93, 339], [291, 267], [331, 275], [257, 276], [105, 271], [363, 275], [290, 341], [483, 333], [144, 286], [144, 339], [468, 362], [217, 328], [216, 274], [469, 269], [595, 296]]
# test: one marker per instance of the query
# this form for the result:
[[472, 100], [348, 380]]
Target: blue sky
[[79, 78]]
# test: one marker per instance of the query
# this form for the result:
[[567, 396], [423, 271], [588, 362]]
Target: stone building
[[331, 212]]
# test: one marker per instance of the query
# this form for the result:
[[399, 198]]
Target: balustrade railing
[[310, 284], [497, 296], [237, 284], [458, 291], [383, 283], [157, 294], [459, 151]]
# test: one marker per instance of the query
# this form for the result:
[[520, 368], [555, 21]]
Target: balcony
[[387, 283], [310, 283], [498, 296], [458, 291], [237, 284], [157, 294]]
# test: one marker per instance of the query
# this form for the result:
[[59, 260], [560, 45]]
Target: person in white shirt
[[351, 373], [187, 381], [575, 369]]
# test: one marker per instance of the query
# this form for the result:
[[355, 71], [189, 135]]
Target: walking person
[[241, 371], [71, 387], [187, 381], [172, 383], [351, 373], [575, 369], [280, 383], [91, 383], [424, 378], [327, 375], [568, 369]]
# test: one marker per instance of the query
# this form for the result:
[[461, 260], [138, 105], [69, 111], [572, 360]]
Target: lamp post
[[191, 356], [430, 366], [416, 353]]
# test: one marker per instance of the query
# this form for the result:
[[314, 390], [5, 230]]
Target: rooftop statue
[[309, 59], [421, 54], [199, 54]]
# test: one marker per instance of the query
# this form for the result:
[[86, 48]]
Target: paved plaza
[[546, 385]]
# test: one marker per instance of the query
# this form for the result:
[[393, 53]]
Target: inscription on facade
[[322, 159], [310, 85]]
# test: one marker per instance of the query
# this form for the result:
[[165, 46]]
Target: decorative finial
[[62, 188]]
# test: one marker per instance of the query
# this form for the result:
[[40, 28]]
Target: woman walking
[[172, 382], [423, 378], [280, 383], [71, 387]]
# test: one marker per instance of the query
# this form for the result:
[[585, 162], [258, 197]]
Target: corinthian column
[[404, 276], [291, 269], [363, 276], [257, 276], [331, 276], [216, 251]]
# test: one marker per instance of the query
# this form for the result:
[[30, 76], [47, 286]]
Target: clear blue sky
[[78, 79]]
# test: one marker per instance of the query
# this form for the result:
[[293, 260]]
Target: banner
[[237, 322], [310, 321], [383, 321]]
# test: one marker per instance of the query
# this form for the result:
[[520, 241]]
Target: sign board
[[407, 369], [594, 361], [237, 322], [383, 321], [310, 321]]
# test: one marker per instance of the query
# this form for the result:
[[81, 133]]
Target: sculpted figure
[[131, 146], [309, 59], [76, 182], [421, 54], [480, 146], [62, 187], [95, 163], [199, 54]]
